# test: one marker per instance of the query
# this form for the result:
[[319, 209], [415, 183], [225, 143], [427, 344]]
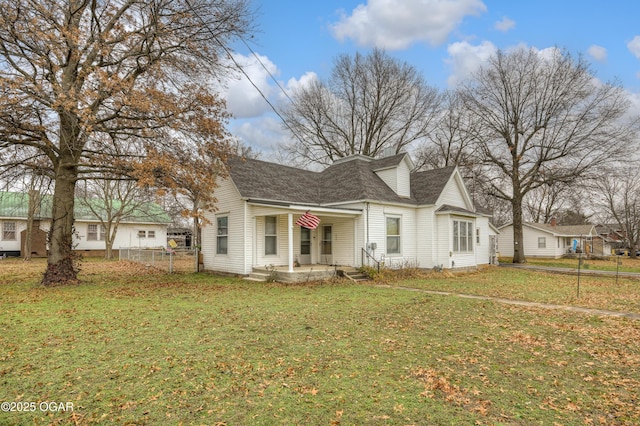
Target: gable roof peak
[[353, 157]]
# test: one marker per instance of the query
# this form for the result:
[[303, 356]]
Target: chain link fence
[[172, 261]]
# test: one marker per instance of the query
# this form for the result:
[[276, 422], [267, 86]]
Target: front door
[[305, 246], [326, 248]]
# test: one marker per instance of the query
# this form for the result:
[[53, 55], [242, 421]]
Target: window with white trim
[[462, 236], [9, 231], [270, 235], [142, 233], [222, 239], [92, 232], [393, 235], [542, 242], [151, 234]]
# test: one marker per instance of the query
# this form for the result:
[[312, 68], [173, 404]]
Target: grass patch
[[606, 264], [535, 286], [133, 346]]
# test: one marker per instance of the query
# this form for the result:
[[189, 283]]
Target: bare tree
[[87, 85], [111, 201], [370, 103], [544, 120], [542, 203], [450, 143], [620, 200]]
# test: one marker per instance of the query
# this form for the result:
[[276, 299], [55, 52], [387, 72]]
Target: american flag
[[308, 221]]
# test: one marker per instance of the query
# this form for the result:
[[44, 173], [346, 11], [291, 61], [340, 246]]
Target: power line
[[266, 69], [228, 52]]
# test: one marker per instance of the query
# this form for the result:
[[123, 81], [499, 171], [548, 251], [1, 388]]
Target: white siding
[[462, 259], [12, 245], [453, 195], [426, 239], [126, 236], [443, 241], [505, 241], [378, 232], [398, 178], [483, 250], [531, 249], [404, 180], [229, 204], [390, 177]]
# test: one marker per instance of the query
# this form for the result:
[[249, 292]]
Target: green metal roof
[[16, 204]]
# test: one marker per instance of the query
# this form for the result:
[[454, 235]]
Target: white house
[[367, 207], [144, 227], [548, 240]]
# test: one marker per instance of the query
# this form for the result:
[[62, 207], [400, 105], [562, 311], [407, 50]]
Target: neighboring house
[[145, 227], [548, 240], [426, 218], [611, 237]]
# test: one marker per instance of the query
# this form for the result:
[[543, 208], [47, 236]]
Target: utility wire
[[266, 69], [228, 52]]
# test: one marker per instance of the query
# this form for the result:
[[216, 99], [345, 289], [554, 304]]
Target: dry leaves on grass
[[438, 384]]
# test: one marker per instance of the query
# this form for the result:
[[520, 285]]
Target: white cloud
[[505, 24], [263, 134], [302, 82], [634, 46], [598, 53], [464, 59], [394, 25], [243, 99]]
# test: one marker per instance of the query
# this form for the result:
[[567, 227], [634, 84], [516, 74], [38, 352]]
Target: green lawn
[[129, 346], [533, 286], [612, 263]]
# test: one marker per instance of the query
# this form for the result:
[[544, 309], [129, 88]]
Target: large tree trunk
[[518, 235], [61, 263]]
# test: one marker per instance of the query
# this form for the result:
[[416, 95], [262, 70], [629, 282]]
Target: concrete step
[[355, 275], [257, 276]]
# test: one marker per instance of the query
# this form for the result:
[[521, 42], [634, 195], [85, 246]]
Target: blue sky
[[446, 40]]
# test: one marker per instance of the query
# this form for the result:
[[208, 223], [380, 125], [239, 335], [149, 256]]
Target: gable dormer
[[395, 171]]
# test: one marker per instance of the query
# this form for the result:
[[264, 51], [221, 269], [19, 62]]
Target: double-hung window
[[542, 242], [222, 238], [9, 231], [393, 235], [462, 236], [270, 235], [95, 232]]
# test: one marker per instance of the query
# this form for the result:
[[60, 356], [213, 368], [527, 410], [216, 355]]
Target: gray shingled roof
[[565, 230], [427, 186], [350, 179]]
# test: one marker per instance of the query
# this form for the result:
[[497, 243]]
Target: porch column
[[290, 236]]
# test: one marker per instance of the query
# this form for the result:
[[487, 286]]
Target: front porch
[[295, 253], [304, 273]]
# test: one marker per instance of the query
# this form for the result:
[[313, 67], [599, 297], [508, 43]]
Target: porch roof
[[301, 208]]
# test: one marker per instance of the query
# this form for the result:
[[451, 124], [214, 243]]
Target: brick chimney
[[553, 221]]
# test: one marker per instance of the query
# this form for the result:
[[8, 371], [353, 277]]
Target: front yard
[[130, 345]]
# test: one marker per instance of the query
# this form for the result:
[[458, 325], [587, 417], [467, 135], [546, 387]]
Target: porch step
[[257, 276], [355, 275]]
